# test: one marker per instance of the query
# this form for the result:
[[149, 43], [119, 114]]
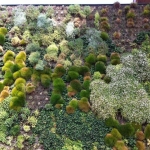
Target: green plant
[[140, 145], [20, 80], [2, 39], [74, 9], [126, 130], [74, 103], [116, 134], [147, 131], [97, 20], [34, 57], [111, 122], [110, 140], [120, 145], [100, 66], [73, 75], [130, 14], [76, 85], [26, 72], [84, 105], [15, 130], [91, 59], [84, 93], [104, 36], [60, 70], [56, 99], [59, 85], [45, 80]]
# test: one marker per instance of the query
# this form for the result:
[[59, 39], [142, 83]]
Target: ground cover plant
[[75, 77]]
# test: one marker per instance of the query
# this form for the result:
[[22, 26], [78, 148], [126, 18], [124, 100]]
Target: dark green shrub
[[73, 75], [111, 122], [74, 9], [45, 80], [147, 131], [86, 84], [107, 79], [76, 85], [15, 130], [104, 36], [8, 74], [110, 140], [84, 93], [83, 70], [56, 99], [114, 55], [91, 59], [126, 130], [115, 61], [59, 85], [102, 58], [100, 66], [74, 68]]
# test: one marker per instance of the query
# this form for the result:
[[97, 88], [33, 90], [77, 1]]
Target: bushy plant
[[116, 134], [3, 30], [140, 135], [70, 109], [74, 9], [9, 55], [56, 99], [74, 103], [20, 80], [26, 72], [100, 66], [59, 70], [140, 145], [73, 75], [91, 59], [34, 57], [104, 36], [147, 131], [76, 85], [102, 58], [32, 47], [15, 130], [84, 93], [2, 39], [59, 85], [45, 80], [110, 140], [111, 122]]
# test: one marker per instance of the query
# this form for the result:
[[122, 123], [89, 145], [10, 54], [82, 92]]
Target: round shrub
[[147, 131], [26, 72], [21, 55], [35, 78], [83, 70], [3, 30], [140, 145], [70, 109], [111, 122], [9, 55], [116, 134], [115, 61], [100, 66], [16, 103], [140, 135], [59, 85], [45, 80], [8, 74], [126, 130], [84, 105], [74, 103], [8, 82], [107, 79], [20, 80], [9, 64], [60, 70], [91, 59], [20, 87], [30, 87], [14, 91], [20, 63], [86, 84], [56, 99], [104, 36], [110, 140], [76, 85], [32, 47], [84, 93], [73, 75], [114, 55], [102, 58]]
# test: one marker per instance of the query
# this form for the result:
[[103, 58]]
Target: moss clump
[[116, 134], [84, 93], [104, 36], [91, 59], [76, 85], [84, 104], [30, 87], [9, 55], [1, 86], [107, 79], [126, 130], [70, 109], [140, 135], [26, 72], [73, 75], [59, 85], [100, 66], [102, 58], [56, 99], [83, 70], [20, 80], [59, 70], [110, 140], [3, 30], [21, 55], [111, 122], [120, 145], [147, 131], [45, 80], [115, 58], [2, 39], [140, 145], [74, 103], [86, 84]]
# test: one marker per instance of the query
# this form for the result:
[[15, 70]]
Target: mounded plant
[[2, 39], [73, 75], [30, 87], [59, 85], [140, 135], [140, 145], [45, 80], [111, 122], [110, 140], [56, 99], [21, 55], [70, 109], [76, 85], [100, 66], [26, 72], [9, 55], [20, 80], [84, 105], [84, 93], [102, 58], [116, 134], [74, 103], [59, 70], [120, 145], [91, 59], [147, 131]]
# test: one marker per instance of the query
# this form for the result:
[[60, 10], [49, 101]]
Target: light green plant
[[26, 128], [32, 120]]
